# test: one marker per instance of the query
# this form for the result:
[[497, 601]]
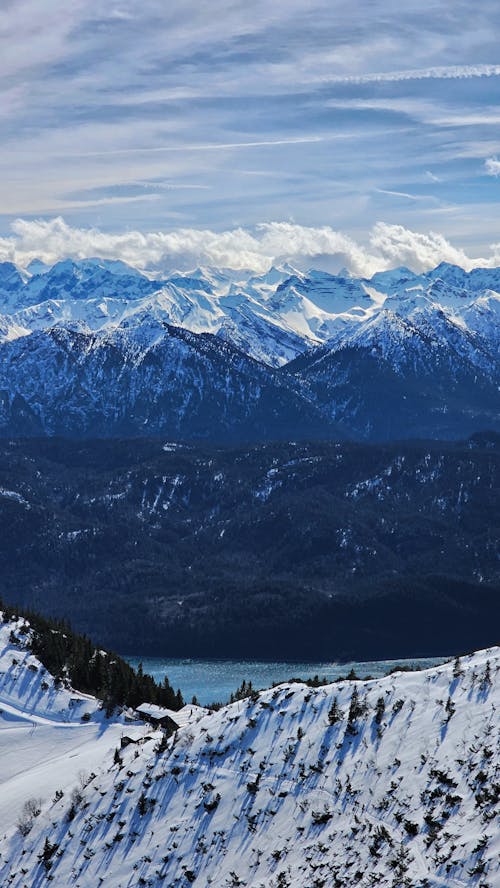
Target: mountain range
[[94, 347]]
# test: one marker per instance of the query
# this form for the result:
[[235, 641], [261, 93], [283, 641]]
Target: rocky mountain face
[[96, 347], [193, 386], [275, 551], [389, 782]]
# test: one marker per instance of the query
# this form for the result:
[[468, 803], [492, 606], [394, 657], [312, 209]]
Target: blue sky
[[151, 116]]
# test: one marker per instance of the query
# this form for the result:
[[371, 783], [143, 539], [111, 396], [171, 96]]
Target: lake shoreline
[[214, 680]]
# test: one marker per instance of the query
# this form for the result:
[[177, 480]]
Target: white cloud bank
[[256, 249]]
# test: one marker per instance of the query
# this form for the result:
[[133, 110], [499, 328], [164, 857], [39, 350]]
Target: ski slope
[[44, 744]]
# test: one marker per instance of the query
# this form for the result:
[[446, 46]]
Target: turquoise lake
[[214, 680]]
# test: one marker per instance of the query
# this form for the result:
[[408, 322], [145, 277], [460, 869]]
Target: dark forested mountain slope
[[292, 549], [190, 385], [372, 398], [75, 662]]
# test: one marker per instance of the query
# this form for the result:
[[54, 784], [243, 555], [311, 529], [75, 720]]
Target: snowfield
[[48, 734], [393, 781]]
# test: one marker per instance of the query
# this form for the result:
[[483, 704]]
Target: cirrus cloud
[[345, 103]]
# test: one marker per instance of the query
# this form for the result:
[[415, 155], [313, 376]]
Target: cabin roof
[[156, 712]]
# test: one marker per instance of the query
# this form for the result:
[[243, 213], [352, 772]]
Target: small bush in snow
[[486, 677], [321, 817], [398, 706], [24, 824], [31, 809]]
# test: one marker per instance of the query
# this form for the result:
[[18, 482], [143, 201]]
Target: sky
[[334, 132]]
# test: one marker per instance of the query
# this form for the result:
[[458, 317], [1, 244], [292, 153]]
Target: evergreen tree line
[[73, 658]]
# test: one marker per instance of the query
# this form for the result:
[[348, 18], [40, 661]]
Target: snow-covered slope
[[393, 781], [49, 733]]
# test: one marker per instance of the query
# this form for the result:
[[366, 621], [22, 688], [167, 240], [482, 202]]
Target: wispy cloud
[[436, 72], [221, 100], [214, 146], [406, 195]]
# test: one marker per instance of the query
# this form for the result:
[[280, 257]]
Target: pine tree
[[379, 710], [449, 708], [486, 679], [335, 713], [356, 710], [47, 853]]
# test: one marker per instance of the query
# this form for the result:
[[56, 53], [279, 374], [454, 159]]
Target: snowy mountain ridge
[[273, 317], [408, 355], [392, 781]]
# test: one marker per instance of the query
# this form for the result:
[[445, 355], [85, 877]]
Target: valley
[[288, 550]]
